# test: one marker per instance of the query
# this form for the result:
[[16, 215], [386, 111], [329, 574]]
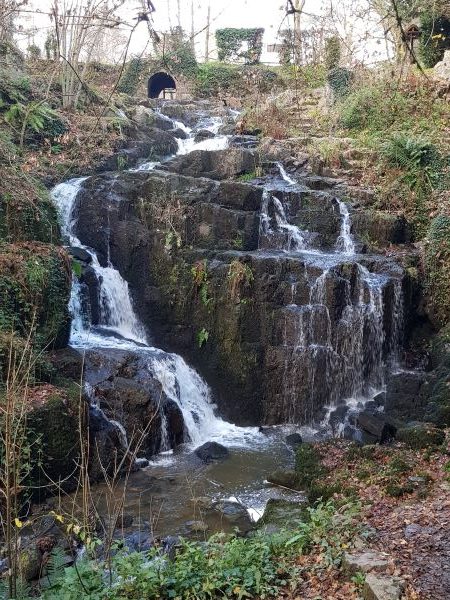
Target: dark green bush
[[332, 52], [340, 81], [215, 78], [130, 79]]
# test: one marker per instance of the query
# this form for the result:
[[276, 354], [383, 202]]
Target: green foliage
[[199, 272], [434, 39], [178, 57], [130, 79], [332, 53], [202, 337], [223, 567], [416, 156], [372, 107], [34, 291], [34, 52], [340, 80], [437, 262], [37, 117], [215, 78], [230, 40]]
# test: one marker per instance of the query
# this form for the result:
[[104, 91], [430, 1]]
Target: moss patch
[[420, 435]]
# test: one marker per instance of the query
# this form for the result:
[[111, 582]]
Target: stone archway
[[161, 82]]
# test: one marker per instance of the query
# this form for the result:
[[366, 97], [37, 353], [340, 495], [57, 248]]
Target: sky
[[269, 14]]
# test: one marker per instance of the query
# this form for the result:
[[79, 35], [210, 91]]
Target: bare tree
[[76, 24]]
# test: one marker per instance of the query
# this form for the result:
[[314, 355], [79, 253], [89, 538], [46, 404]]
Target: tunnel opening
[[161, 83]]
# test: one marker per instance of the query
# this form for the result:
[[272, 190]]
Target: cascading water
[[345, 243], [121, 329], [292, 236], [284, 175], [335, 348]]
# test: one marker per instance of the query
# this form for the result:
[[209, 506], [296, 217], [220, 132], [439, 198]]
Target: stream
[[174, 487]]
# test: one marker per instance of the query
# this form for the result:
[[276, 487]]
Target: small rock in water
[[80, 254], [212, 451], [139, 541], [380, 399], [235, 513], [294, 439], [203, 134]]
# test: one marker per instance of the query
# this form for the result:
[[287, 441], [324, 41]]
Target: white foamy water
[[284, 175], [345, 243]]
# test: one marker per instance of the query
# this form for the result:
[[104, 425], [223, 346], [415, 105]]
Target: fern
[[23, 590], [56, 564]]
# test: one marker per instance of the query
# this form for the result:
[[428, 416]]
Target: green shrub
[[130, 79], [222, 567], [229, 44], [420, 435], [372, 107], [215, 78], [340, 81], [332, 52]]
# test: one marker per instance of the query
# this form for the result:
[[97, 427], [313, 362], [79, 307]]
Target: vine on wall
[[230, 44]]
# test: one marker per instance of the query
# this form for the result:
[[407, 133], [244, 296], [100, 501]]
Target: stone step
[[382, 587]]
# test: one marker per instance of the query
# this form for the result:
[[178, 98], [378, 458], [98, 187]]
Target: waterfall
[[121, 329], [326, 362], [293, 239], [345, 243], [284, 175]]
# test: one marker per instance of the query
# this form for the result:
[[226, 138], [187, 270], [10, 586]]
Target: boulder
[[218, 164], [382, 587], [203, 134], [80, 254], [146, 117], [178, 133], [197, 526], [442, 69], [377, 425], [294, 439], [212, 451], [404, 395], [418, 435]]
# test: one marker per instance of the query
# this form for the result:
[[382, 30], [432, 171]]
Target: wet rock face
[[221, 164], [126, 392], [287, 333]]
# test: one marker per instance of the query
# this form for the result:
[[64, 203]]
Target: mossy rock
[[53, 426], [420, 435], [287, 479], [283, 513], [437, 262], [26, 210], [307, 465], [35, 281]]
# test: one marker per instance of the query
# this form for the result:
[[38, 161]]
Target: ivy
[[230, 40], [130, 79]]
